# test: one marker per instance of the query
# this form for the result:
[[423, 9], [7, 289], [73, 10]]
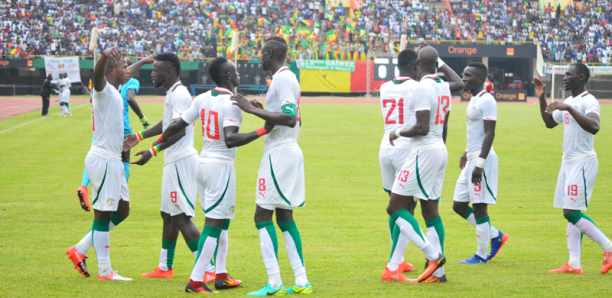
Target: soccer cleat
[[496, 244], [396, 275], [199, 290], [406, 267], [476, 259], [158, 273], [607, 262], [432, 265], [78, 260], [567, 269], [84, 198], [306, 289], [435, 279], [209, 277], [268, 290], [113, 275], [228, 283]]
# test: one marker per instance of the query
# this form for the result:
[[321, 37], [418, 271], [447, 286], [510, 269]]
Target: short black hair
[[277, 38], [407, 57], [214, 69], [480, 67], [583, 69], [172, 59], [278, 45]]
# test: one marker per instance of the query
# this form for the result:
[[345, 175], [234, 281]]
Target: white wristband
[[397, 133], [440, 63], [480, 162], [152, 153]]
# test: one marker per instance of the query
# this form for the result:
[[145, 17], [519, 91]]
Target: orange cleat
[[227, 283], [198, 290], [396, 275], [607, 262], [158, 273], [405, 266], [567, 269], [209, 277], [435, 279], [432, 265], [78, 260], [83, 198]]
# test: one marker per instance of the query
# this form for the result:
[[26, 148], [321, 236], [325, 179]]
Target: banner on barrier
[[501, 95], [69, 65], [326, 65]]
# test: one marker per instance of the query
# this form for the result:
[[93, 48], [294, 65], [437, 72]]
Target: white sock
[[434, 240], [417, 238], [210, 268], [208, 250], [101, 242], [397, 256], [68, 109], [222, 253], [588, 228], [163, 259], [472, 220], [296, 262], [85, 244], [483, 235], [269, 258], [574, 245]]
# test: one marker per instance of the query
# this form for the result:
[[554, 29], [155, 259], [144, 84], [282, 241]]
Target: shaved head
[[427, 61]]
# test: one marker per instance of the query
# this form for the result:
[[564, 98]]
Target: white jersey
[[395, 97], [107, 118], [216, 111], [66, 85], [431, 94], [578, 144], [283, 96], [481, 107], [177, 102]]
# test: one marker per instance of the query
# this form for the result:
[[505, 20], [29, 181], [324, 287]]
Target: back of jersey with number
[[395, 96], [434, 95]]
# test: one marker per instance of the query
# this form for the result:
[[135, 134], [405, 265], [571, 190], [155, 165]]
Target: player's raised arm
[[276, 118], [147, 60], [540, 90], [110, 55], [454, 81]]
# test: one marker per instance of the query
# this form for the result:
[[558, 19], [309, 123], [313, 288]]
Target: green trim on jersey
[[289, 109], [217, 93], [487, 184], [586, 202], [276, 183], [398, 82], [101, 184], [176, 87], [436, 79], [419, 177], [222, 196], [182, 190], [386, 190]]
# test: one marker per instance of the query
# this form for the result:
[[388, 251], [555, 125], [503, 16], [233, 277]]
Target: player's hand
[[155, 143], [146, 125], [243, 103], [557, 105], [477, 175], [113, 53], [150, 59], [268, 126], [129, 141], [540, 88], [257, 104], [462, 161], [423, 44], [392, 137], [144, 158]]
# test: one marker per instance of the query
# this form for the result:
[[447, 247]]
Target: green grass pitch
[[344, 224]]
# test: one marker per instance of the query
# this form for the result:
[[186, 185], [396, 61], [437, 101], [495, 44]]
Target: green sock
[[226, 224], [394, 238], [193, 245], [225, 227], [289, 227], [166, 257], [391, 227], [269, 226], [208, 231], [435, 233], [115, 220]]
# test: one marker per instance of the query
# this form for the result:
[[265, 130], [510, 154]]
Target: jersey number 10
[[400, 107], [443, 102], [206, 131]]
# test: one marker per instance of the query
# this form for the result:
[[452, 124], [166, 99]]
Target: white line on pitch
[[20, 125]]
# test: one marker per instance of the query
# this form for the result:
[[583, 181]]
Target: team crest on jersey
[[473, 110], [110, 202], [232, 209]]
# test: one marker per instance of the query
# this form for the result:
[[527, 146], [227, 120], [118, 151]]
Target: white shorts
[[486, 192], [422, 175], [280, 182], [217, 187], [65, 96], [575, 185], [108, 183], [391, 162], [179, 190]]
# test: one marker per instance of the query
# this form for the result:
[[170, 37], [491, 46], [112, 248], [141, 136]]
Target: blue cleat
[[268, 290], [476, 259], [306, 289], [496, 244]]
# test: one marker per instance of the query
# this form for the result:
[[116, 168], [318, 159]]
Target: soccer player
[[477, 183], [64, 95], [128, 93], [215, 175], [103, 164], [395, 97], [422, 174], [580, 115], [178, 191], [280, 182], [489, 84]]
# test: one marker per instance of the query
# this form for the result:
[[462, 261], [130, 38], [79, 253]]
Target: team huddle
[[413, 160]]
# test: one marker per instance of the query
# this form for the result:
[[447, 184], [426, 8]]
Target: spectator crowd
[[197, 29]]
